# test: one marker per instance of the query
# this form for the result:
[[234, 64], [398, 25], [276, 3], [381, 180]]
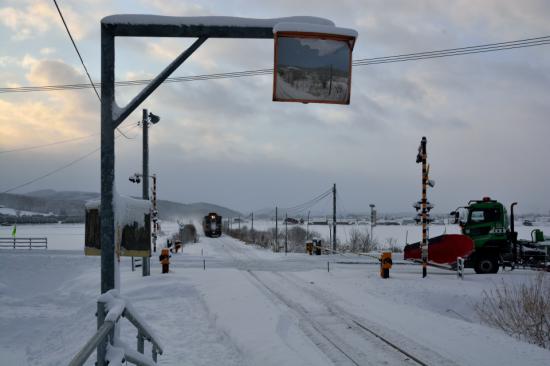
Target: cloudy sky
[[486, 116]]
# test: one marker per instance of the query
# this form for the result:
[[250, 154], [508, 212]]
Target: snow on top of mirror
[[221, 21], [313, 28]]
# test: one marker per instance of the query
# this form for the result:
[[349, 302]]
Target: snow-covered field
[[402, 233], [11, 211], [254, 307], [71, 236], [64, 236]]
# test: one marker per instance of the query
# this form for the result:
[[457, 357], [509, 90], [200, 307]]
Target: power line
[[76, 49], [304, 206], [27, 148], [489, 47], [49, 144], [52, 172], [492, 47], [81, 60]]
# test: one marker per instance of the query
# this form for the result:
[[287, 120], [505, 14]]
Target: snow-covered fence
[[110, 349], [24, 243]]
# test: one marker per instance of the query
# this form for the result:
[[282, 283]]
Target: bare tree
[[361, 241], [522, 311], [392, 246]]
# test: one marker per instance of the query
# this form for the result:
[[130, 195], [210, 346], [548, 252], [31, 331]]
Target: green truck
[[496, 242]]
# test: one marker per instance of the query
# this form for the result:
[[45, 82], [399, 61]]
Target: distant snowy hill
[[71, 203]]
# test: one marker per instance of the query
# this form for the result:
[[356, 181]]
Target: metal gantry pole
[[145, 265], [107, 218]]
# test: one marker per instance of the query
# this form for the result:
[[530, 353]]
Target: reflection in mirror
[[311, 69]]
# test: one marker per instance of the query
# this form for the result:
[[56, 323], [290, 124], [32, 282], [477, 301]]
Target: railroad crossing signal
[[423, 206]]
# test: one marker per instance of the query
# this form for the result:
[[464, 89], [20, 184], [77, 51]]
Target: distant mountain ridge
[[71, 203]]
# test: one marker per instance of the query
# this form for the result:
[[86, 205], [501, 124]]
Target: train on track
[[212, 225]]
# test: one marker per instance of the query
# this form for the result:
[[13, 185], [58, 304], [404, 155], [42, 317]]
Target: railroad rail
[[334, 341]]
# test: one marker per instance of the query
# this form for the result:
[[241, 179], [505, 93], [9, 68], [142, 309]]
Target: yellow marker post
[[385, 264], [309, 247], [165, 260]]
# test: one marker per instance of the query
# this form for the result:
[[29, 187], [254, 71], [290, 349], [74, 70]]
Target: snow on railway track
[[342, 337]]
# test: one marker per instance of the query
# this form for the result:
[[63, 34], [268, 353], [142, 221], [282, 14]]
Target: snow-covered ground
[[254, 307]]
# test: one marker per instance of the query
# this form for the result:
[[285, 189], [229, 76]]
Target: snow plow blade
[[443, 249]]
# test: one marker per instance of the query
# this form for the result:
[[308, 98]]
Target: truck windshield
[[484, 215]]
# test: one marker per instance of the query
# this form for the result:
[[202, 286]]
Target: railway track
[[342, 337]]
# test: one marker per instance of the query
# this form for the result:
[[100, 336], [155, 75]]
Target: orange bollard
[[164, 259], [309, 247], [385, 264]]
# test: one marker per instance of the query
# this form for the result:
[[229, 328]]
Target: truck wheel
[[486, 265]]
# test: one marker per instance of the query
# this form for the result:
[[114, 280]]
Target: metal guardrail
[[92, 344], [105, 336], [24, 243]]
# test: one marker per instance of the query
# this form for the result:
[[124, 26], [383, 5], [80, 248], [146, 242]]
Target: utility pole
[[372, 220], [276, 229], [145, 266], [334, 217], [253, 235], [240, 227], [286, 233], [307, 226]]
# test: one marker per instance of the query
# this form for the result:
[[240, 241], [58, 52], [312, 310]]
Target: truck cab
[[486, 223]]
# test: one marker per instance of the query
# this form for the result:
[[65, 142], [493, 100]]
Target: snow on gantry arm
[[214, 21], [314, 28]]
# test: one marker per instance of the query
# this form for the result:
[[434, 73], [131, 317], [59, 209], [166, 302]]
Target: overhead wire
[[449, 52], [490, 47], [56, 170], [308, 203], [76, 49], [81, 59], [27, 148], [60, 142]]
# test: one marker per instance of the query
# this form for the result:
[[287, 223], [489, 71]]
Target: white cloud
[[47, 51]]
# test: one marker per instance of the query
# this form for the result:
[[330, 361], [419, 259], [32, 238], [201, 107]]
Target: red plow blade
[[443, 249]]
